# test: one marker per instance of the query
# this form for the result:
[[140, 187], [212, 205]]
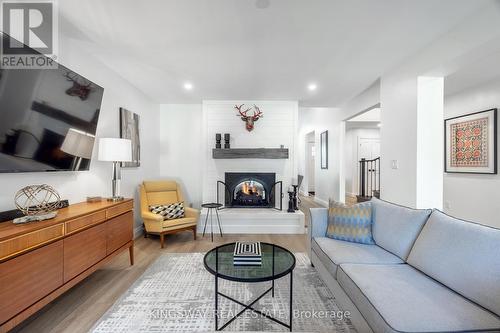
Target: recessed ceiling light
[[312, 86], [188, 86], [262, 4]]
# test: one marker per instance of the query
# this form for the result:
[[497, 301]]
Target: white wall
[[330, 183], [76, 186], [430, 130], [180, 148], [277, 127], [401, 138], [473, 197], [326, 181]]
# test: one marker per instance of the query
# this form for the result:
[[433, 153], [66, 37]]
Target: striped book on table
[[247, 254]]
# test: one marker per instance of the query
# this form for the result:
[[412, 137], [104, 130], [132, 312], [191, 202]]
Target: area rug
[[176, 294]]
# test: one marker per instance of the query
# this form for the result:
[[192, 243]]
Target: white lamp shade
[[78, 143], [115, 150]]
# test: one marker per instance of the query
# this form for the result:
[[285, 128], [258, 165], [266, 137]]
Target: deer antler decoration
[[78, 89], [249, 120]]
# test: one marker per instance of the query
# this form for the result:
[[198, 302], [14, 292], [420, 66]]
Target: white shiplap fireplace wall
[[277, 127]]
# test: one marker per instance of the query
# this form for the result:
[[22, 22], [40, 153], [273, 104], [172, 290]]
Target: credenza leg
[[131, 254], [194, 232]]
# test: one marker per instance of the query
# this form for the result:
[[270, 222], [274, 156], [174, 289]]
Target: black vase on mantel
[[218, 138], [226, 141]]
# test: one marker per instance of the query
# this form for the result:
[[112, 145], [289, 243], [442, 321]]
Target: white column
[[430, 142]]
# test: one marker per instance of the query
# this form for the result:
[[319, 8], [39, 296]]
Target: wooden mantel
[[263, 153]]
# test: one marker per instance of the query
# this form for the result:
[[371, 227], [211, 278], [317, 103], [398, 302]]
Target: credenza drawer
[[120, 209], [119, 230], [23, 243], [83, 249], [85, 221], [29, 277]]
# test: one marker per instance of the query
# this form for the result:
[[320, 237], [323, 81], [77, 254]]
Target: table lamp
[[116, 151], [78, 144]]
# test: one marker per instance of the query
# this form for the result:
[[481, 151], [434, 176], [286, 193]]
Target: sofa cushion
[[462, 255], [334, 252], [399, 298], [351, 224], [395, 227]]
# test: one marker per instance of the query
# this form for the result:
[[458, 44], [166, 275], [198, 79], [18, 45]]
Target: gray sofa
[[428, 272]]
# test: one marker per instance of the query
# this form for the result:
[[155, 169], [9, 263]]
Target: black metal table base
[[210, 212], [250, 306]]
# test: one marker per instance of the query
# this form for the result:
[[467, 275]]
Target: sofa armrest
[[319, 222], [191, 212]]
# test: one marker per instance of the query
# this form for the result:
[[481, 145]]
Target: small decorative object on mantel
[[218, 138], [295, 193], [247, 254], [291, 206], [227, 137], [471, 143], [37, 203], [249, 120]]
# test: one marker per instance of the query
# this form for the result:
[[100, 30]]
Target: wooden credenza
[[41, 260]]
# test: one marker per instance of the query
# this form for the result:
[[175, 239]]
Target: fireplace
[[245, 189]]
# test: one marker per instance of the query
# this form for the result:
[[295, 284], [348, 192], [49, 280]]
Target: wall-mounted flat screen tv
[[48, 119]]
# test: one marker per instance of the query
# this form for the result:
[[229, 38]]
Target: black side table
[[211, 207]]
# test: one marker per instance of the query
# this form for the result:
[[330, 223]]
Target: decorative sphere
[[37, 199]]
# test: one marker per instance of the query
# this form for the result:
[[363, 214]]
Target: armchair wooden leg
[[194, 232], [162, 240]]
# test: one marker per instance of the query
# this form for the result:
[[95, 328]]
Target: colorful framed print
[[324, 149], [471, 143]]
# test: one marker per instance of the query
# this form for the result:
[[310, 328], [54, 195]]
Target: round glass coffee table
[[277, 262]]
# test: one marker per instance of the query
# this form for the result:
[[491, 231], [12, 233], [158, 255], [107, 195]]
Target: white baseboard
[[138, 232]]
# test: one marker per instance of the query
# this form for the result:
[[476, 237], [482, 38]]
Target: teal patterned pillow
[[351, 224]]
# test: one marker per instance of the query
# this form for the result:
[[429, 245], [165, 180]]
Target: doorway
[[310, 163], [362, 141]]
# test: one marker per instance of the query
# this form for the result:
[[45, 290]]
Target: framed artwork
[[471, 143], [324, 149], [129, 129]]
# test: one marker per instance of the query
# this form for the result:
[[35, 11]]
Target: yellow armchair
[[165, 192]]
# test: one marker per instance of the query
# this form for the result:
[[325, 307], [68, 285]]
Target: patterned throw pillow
[[351, 224], [169, 212], [331, 205]]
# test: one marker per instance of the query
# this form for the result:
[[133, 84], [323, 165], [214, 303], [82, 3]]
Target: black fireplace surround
[[246, 189]]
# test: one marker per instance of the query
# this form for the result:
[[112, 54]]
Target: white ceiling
[[234, 49], [473, 74], [370, 115]]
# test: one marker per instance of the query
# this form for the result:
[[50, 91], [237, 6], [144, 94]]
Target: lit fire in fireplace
[[249, 188]]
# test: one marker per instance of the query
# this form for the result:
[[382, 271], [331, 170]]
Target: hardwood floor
[[79, 308]]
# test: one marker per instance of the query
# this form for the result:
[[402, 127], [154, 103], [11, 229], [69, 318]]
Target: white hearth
[[254, 221]]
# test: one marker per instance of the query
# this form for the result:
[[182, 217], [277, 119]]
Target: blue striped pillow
[[351, 224]]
